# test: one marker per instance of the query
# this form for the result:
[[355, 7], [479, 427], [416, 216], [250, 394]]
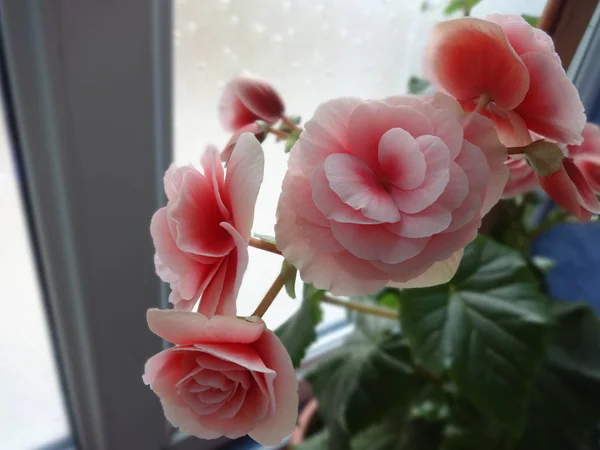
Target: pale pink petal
[[400, 159], [229, 409], [466, 56], [329, 203], [244, 176], [521, 178], [589, 164], [319, 237], [166, 247], [473, 162], [187, 328], [447, 127], [173, 179], [213, 171], [431, 220], [375, 242], [591, 141], [561, 189], [275, 427], [303, 203], [356, 185], [510, 126], [241, 354], [371, 120], [586, 194], [456, 190], [480, 132], [157, 363], [552, 106], [231, 370], [326, 133], [237, 263], [439, 273], [196, 216], [213, 293], [437, 157]]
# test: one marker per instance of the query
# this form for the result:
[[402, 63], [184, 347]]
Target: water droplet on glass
[[246, 72], [258, 28], [286, 5], [296, 64], [277, 37], [291, 32], [234, 20], [226, 51], [201, 65], [343, 33], [328, 72], [176, 34], [319, 8], [325, 26], [220, 84], [192, 27]]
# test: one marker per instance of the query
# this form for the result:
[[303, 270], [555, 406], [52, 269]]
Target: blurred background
[[97, 99]]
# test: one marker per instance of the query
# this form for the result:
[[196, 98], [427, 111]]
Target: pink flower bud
[[246, 100]]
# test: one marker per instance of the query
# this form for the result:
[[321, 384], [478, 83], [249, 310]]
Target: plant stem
[[280, 134], [263, 245], [483, 101], [277, 285], [360, 307], [291, 125]]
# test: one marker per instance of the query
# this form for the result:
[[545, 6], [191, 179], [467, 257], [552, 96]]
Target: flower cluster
[[377, 193]]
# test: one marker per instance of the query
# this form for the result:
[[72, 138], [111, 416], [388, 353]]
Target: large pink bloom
[[387, 191], [246, 100], [514, 64], [224, 377], [587, 155], [201, 236], [522, 178]]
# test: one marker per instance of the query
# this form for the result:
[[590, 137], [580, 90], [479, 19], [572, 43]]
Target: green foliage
[[389, 297], [485, 329], [460, 5], [298, 332], [531, 20], [364, 381], [291, 141], [289, 273], [417, 85], [565, 404]]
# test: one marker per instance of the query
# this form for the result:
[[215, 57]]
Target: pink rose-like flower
[[521, 179], [587, 155], [201, 236], [516, 66], [387, 191], [246, 100], [569, 188], [224, 377]]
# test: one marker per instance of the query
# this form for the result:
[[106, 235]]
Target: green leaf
[[289, 272], [389, 297], [364, 381], [486, 328], [317, 441], [417, 85], [456, 5], [531, 20], [291, 141], [565, 404], [298, 332]]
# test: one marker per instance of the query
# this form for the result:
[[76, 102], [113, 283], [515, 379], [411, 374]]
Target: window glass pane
[[32, 412], [311, 51]]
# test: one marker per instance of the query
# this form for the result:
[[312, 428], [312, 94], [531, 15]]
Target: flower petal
[[439, 273], [245, 172], [187, 328], [400, 159], [431, 220], [552, 106], [275, 427], [356, 185], [465, 56]]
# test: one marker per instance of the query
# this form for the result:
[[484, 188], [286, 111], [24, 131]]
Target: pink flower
[[201, 236], [387, 191], [255, 128], [224, 377], [514, 64], [246, 100], [587, 155], [521, 178], [569, 188]]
